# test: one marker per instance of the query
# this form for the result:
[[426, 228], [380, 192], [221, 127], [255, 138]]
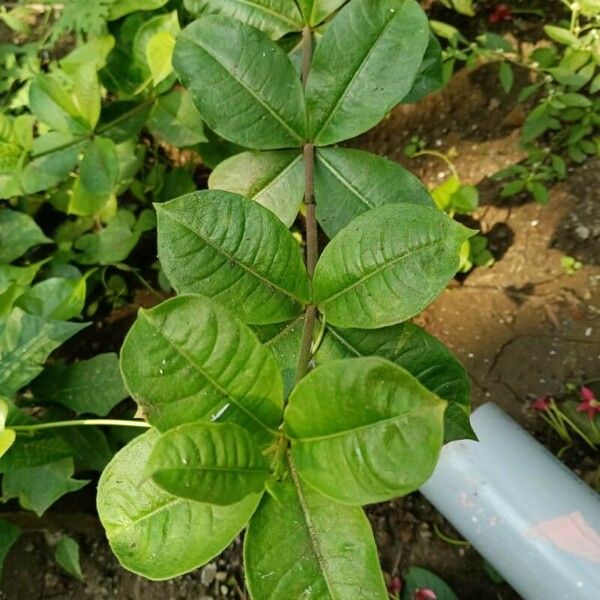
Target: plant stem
[[312, 245], [80, 422]]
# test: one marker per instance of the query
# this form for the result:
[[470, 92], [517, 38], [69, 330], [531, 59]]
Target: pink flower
[[589, 403], [425, 594], [395, 586], [502, 12], [541, 404]]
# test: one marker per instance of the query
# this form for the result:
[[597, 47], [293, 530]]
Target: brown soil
[[522, 327]]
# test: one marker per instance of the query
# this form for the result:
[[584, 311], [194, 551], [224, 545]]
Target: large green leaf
[[364, 430], [52, 104], [387, 265], [273, 179], [90, 386], [244, 85], [274, 17], [351, 182], [175, 120], [235, 251], [303, 545], [421, 354], [18, 233], [37, 488], [315, 11], [189, 359], [217, 463], [364, 65], [154, 533], [25, 343], [98, 174]]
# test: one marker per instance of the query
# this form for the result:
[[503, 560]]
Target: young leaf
[[364, 65], [189, 359], [7, 439], [387, 265], [37, 488], [98, 174], [52, 104], [175, 120], [235, 251], [154, 533], [67, 556], [274, 17], [421, 354], [329, 548], [90, 386], [351, 182], [273, 179], [25, 343], [159, 55], [364, 430], [236, 76], [216, 463], [18, 233], [507, 77], [9, 534], [316, 11], [55, 298]]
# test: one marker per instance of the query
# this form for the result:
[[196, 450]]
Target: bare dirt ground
[[523, 328]]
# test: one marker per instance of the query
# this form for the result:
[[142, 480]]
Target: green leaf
[[442, 194], [274, 17], [18, 233], [387, 265], [120, 8], [50, 102], [67, 556], [351, 182], [9, 534], [237, 84], [364, 430], [165, 23], [53, 164], [284, 340], [175, 120], [217, 463], [465, 199], [55, 298], [418, 578], [273, 179], [153, 533], [40, 449], [235, 251], [159, 54], [181, 372], [415, 350], [88, 447], [575, 100], [90, 386], [4, 408], [303, 545], [561, 35], [98, 174], [7, 439], [37, 488], [113, 243], [25, 343], [431, 73], [507, 77], [316, 11], [354, 80]]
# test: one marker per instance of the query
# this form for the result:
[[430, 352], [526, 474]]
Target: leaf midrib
[[276, 177], [290, 131], [381, 268], [357, 72], [232, 258], [204, 374], [344, 181]]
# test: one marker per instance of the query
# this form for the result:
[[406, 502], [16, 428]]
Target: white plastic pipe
[[524, 511]]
